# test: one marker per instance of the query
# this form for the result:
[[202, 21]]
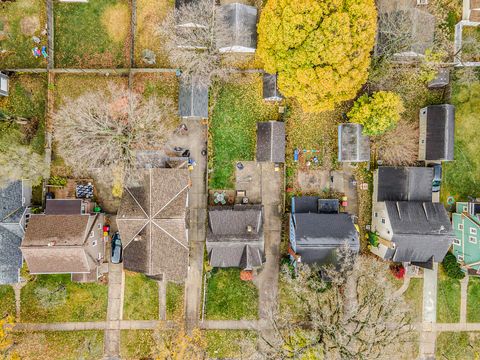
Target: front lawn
[[229, 298], [20, 20], [136, 344], [471, 43], [458, 345], [237, 107], [59, 345], [473, 300], [175, 300], [93, 34], [55, 298], [448, 300], [414, 298], [141, 297], [230, 344], [7, 301]]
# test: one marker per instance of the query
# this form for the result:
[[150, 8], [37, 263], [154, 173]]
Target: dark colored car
[[437, 177], [116, 249]]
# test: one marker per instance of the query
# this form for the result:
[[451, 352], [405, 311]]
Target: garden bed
[[92, 35], [141, 297]]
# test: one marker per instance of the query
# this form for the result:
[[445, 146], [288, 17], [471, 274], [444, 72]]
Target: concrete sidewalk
[[116, 282]]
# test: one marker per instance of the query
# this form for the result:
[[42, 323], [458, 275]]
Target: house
[[466, 245], [193, 98], [4, 80], [235, 236], [353, 146], [437, 133], [317, 230], [404, 32], [409, 227], [15, 199], [65, 244], [240, 23], [270, 88], [152, 221], [271, 141]]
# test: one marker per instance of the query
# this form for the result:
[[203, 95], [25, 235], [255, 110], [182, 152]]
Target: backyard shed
[[437, 130], [193, 98], [240, 21], [3, 85], [353, 146], [271, 141], [270, 88]]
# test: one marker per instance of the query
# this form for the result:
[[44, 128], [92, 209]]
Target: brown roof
[[152, 225], [61, 259], [58, 229]]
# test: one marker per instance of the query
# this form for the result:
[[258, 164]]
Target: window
[[460, 258], [99, 226], [92, 234], [94, 243], [375, 214], [473, 231], [465, 209], [383, 221], [457, 242], [472, 239], [460, 226]]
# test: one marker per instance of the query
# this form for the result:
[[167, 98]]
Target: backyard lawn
[[136, 344], [414, 298], [93, 34], [59, 345], [7, 301], [473, 300], [228, 344], [448, 300], [458, 345], [141, 297], [229, 298], [54, 298], [20, 20], [237, 107], [175, 300]]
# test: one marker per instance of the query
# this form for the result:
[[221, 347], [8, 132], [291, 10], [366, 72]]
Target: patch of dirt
[[29, 25], [116, 20]]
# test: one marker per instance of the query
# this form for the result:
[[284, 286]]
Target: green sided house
[[466, 245]]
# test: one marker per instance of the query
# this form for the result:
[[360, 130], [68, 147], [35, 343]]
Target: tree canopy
[[377, 113], [320, 49]]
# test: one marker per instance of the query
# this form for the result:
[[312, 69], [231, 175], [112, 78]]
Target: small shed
[[3, 85], [442, 79], [240, 21], [270, 88], [437, 133], [353, 146], [271, 141], [193, 98]]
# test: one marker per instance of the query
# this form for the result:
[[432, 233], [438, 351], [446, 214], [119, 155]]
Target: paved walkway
[[116, 282], [463, 299], [406, 283], [162, 300], [429, 314]]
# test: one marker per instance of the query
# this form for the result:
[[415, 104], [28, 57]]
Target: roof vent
[[137, 238], [51, 243], [249, 228]]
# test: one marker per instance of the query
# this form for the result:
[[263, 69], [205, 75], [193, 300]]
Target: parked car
[[437, 177], [116, 249]]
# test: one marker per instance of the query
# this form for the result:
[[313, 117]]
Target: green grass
[[470, 43], [227, 344], [7, 301], [19, 21], [141, 297], [136, 344], [448, 300], [175, 300], [229, 298], [458, 346], [414, 298], [83, 302], [94, 34], [473, 300], [59, 345], [238, 106]]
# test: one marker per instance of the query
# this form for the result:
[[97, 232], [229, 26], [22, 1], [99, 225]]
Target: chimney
[[137, 238]]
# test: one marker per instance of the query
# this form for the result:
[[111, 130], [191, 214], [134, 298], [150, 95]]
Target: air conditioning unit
[[422, 2]]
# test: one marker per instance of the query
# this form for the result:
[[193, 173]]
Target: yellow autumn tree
[[377, 113], [176, 343], [319, 48]]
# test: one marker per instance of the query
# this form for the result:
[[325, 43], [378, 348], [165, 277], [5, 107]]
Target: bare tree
[[192, 34], [104, 129], [399, 146], [352, 315]]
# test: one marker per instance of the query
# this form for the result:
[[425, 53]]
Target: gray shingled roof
[[271, 141], [241, 21], [245, 256], [270, 88], [193, 98], [4, 85], [404, 183], [313, 204], [10, 254], [11, 202], [440, 132], [353, 146]]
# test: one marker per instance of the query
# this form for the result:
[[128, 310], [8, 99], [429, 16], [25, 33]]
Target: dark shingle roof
[[353, 146], [241, 22], [193, 98], [59, 229], [270, 88], [420, 248], [404, 183], [3, 85], [10, 254], [63, 207], [10, 201], [245, 256], [304, 204], [271, 141], [440, 132]]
